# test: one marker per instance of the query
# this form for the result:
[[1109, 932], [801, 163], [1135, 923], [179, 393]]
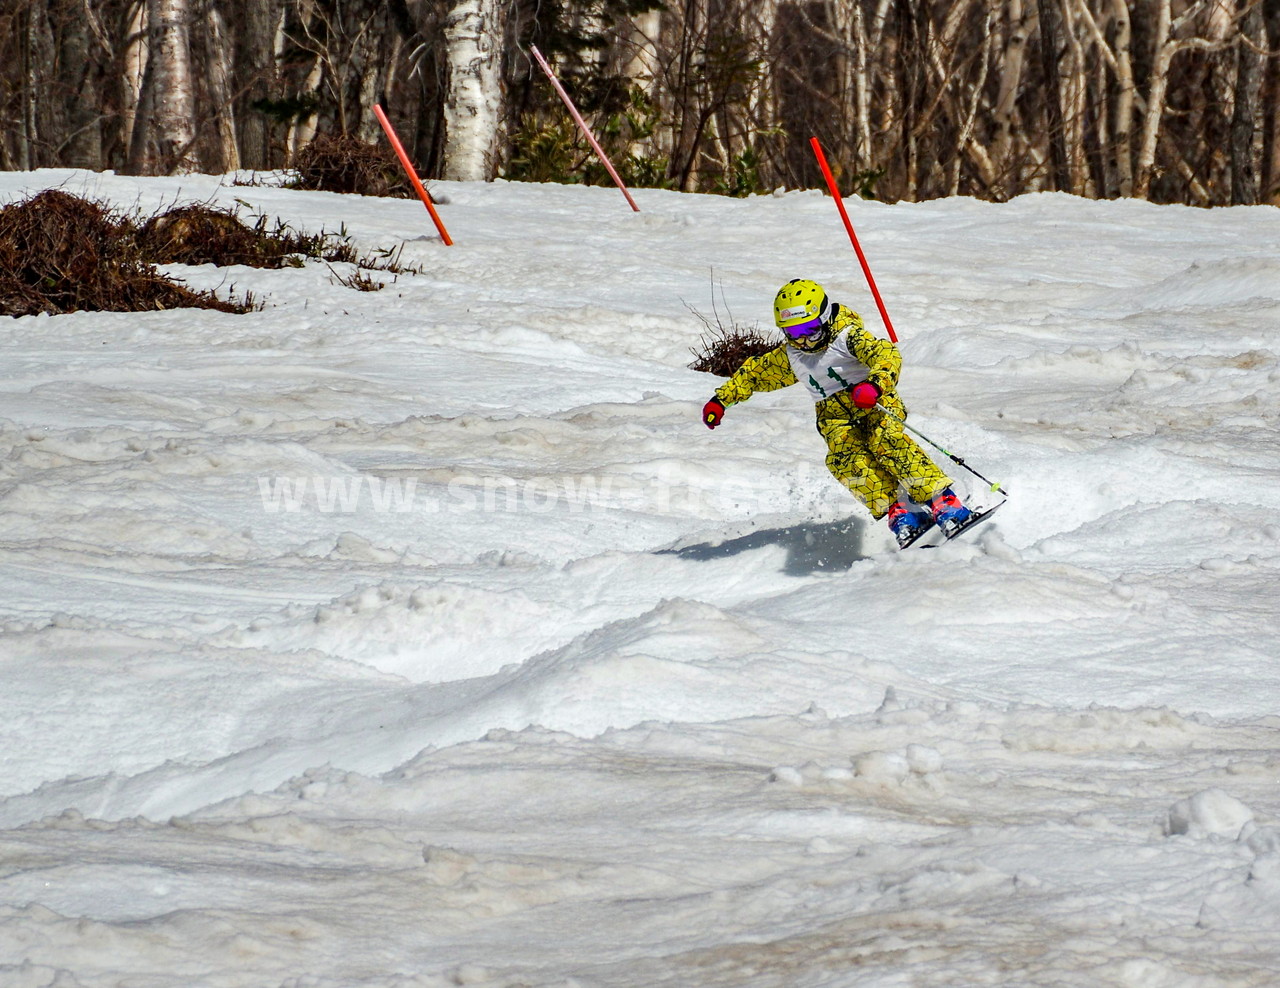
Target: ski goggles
[[804, 330]]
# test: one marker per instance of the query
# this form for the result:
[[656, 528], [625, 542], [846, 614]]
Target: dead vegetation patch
[[726, 343], [722, 351], [724, 348], [63, 253], [200, 234], [338, 163]]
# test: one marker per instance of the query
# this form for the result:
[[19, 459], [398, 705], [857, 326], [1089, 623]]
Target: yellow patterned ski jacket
[[867, 451], [853, 355]]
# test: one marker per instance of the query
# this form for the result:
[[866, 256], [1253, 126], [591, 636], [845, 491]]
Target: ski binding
[[975, 516]]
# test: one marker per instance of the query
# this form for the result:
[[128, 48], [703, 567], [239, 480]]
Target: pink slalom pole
[[853, 237], [582, 125], [409, 170]]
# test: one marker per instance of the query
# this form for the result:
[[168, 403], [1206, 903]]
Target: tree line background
[[1167, 100]]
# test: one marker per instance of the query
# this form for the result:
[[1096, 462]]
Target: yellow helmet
[[803, 312]]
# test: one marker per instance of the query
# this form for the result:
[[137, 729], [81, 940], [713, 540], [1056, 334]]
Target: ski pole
[[995, 486]]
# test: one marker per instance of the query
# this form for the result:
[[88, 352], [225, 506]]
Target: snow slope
[[424, 636]]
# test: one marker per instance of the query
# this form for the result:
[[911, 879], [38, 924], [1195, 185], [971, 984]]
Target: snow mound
[[436, 632], [1210, 813]]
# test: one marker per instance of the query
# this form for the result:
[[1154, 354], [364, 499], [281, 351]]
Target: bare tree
[[998, 175], [473, 33], [1167, 45], [1271, 111], [79, 142], [1124, 102], [255, 73], [131, 70], [220, 151], [164, 133], [1050, 19], [1246, 144]]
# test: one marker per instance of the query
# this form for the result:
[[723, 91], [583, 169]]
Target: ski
[[974, 518], [921, 533]]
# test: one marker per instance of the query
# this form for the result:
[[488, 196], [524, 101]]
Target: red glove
[[713, 412], [865, 395]]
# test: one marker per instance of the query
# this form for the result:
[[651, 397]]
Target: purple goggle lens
[[805, 329]]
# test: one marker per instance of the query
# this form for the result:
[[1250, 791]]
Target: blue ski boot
[[907, 525], [948, 513]]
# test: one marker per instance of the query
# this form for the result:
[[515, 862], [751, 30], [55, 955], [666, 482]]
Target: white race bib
[[828, 371]]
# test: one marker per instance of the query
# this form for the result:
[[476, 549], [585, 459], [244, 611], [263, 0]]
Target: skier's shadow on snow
[[811, 547]]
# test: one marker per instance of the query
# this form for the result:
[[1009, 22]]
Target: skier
[[851, 376]]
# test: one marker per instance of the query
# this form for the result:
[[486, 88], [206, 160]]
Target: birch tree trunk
[[255, 54], [762, 101], [1155, 100], [133, 67], [862, 75], [299, 70], [1248, 87], [35, 57], [643, 68], [82, 144], [1166, 46], [1011, 75], [1050, 33], [164, 131], [1077, 123], [223, 151], [964, 140], [1123, 121], [689, 114], [473, 110], [1271, 122]]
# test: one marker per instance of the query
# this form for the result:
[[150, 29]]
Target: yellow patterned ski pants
[[871, 454]]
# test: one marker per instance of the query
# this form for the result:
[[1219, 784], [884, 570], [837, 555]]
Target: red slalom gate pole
[[853, 237], [408, 170], [582, 125]]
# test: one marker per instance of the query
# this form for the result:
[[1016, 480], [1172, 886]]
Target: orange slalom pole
[[582, 125], [853, 237], [408, 170]]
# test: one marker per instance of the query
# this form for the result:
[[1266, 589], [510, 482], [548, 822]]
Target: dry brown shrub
[[62, 253], [726, 343], [200, 234], [337, 163], [723, 351]]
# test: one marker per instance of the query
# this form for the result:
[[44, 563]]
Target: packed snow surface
[[425, 637]]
